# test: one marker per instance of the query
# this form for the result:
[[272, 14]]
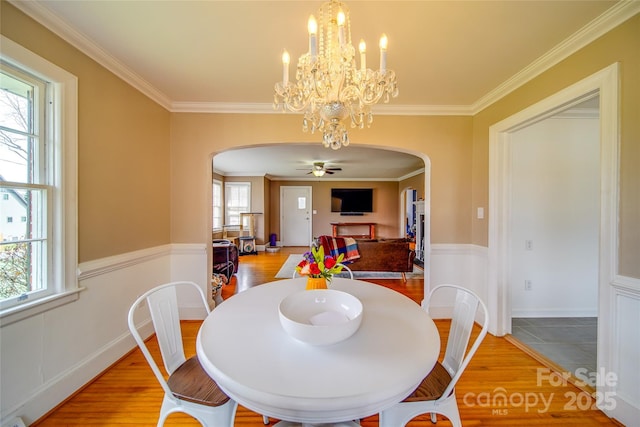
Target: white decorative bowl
[[321, 316]]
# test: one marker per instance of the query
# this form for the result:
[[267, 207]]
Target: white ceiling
[[450, 57], [296, 160]]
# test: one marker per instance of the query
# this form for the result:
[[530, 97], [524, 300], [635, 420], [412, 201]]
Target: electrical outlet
[[528, 245], [528, 285]]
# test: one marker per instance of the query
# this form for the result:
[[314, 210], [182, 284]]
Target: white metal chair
[[436, 392], [344, 267], [188, 389]]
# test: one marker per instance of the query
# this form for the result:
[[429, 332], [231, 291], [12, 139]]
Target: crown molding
[[622, 11], [44, 16], [263, 108]]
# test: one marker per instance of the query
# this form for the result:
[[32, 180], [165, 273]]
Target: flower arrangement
[[316, 264]]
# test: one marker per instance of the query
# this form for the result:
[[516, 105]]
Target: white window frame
[[217, 205], [228, 190], [62, 132]]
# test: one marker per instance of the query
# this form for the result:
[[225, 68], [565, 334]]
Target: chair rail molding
[[110, 285]]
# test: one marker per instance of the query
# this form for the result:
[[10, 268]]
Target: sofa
[[389, 255]]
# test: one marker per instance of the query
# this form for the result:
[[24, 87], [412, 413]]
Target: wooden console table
[[372, 229]]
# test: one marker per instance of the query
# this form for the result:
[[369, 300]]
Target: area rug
[[287, 269]]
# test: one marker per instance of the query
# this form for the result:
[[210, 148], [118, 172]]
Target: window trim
[[222, 204], [63, 143]]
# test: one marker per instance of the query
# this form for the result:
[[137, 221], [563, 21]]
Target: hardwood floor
[[502, 386]]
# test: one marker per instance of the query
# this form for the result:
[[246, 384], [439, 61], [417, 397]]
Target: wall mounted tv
[[352, 201]]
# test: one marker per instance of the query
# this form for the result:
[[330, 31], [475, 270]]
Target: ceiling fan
[[319, 169]]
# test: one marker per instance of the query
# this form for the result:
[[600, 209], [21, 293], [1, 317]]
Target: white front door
[[295, 216]]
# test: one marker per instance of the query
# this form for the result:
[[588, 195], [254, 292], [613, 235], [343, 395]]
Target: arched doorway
[[419, 177]]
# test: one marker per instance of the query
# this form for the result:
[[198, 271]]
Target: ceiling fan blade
[[333, 169], [328, 171]]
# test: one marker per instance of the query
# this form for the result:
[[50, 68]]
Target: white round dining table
[[244, 348]]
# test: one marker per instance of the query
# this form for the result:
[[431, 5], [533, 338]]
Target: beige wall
[[385, 206], [620, 45], [415, 182], [123, 149], [128, 146], [445, 140]]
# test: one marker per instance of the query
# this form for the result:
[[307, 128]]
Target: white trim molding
[[90, 335], [624, 353], [459, 264], [618, 345], [604, 83], [613, 17]]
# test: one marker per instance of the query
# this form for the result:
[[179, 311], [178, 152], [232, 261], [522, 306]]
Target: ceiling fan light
[[318, 172]]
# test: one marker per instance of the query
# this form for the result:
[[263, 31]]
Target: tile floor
[[568, 341]]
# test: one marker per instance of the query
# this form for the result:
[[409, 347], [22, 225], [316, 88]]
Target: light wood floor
[[502, 386]]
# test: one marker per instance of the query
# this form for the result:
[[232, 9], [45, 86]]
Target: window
[[217, 204], [38, 139], [237, 196]]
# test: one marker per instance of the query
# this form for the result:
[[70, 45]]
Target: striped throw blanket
[[335, 246]]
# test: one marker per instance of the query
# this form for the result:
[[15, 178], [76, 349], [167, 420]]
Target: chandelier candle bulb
[[285, 67], [341, 27], [383, 53], [363, 55], [313, 40]]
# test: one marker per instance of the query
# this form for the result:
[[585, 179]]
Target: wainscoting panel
[[457, 264], [624, 389], [47, 357]]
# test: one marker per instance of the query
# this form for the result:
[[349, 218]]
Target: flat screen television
[[352, 200]]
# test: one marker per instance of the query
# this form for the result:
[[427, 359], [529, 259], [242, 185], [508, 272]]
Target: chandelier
[[328, 86]]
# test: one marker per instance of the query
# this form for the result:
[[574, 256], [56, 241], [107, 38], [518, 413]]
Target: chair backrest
[[465, 308], [344, 267], [162, 302]]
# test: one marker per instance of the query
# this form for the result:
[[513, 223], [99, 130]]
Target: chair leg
[[165, 410], [434, 418], [265, 420], [404, 277]]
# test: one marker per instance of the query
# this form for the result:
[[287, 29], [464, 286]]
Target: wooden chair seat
[[191, 383], [432, 386]]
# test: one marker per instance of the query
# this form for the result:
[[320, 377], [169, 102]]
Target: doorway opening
[[554, 220], [604, 85]]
